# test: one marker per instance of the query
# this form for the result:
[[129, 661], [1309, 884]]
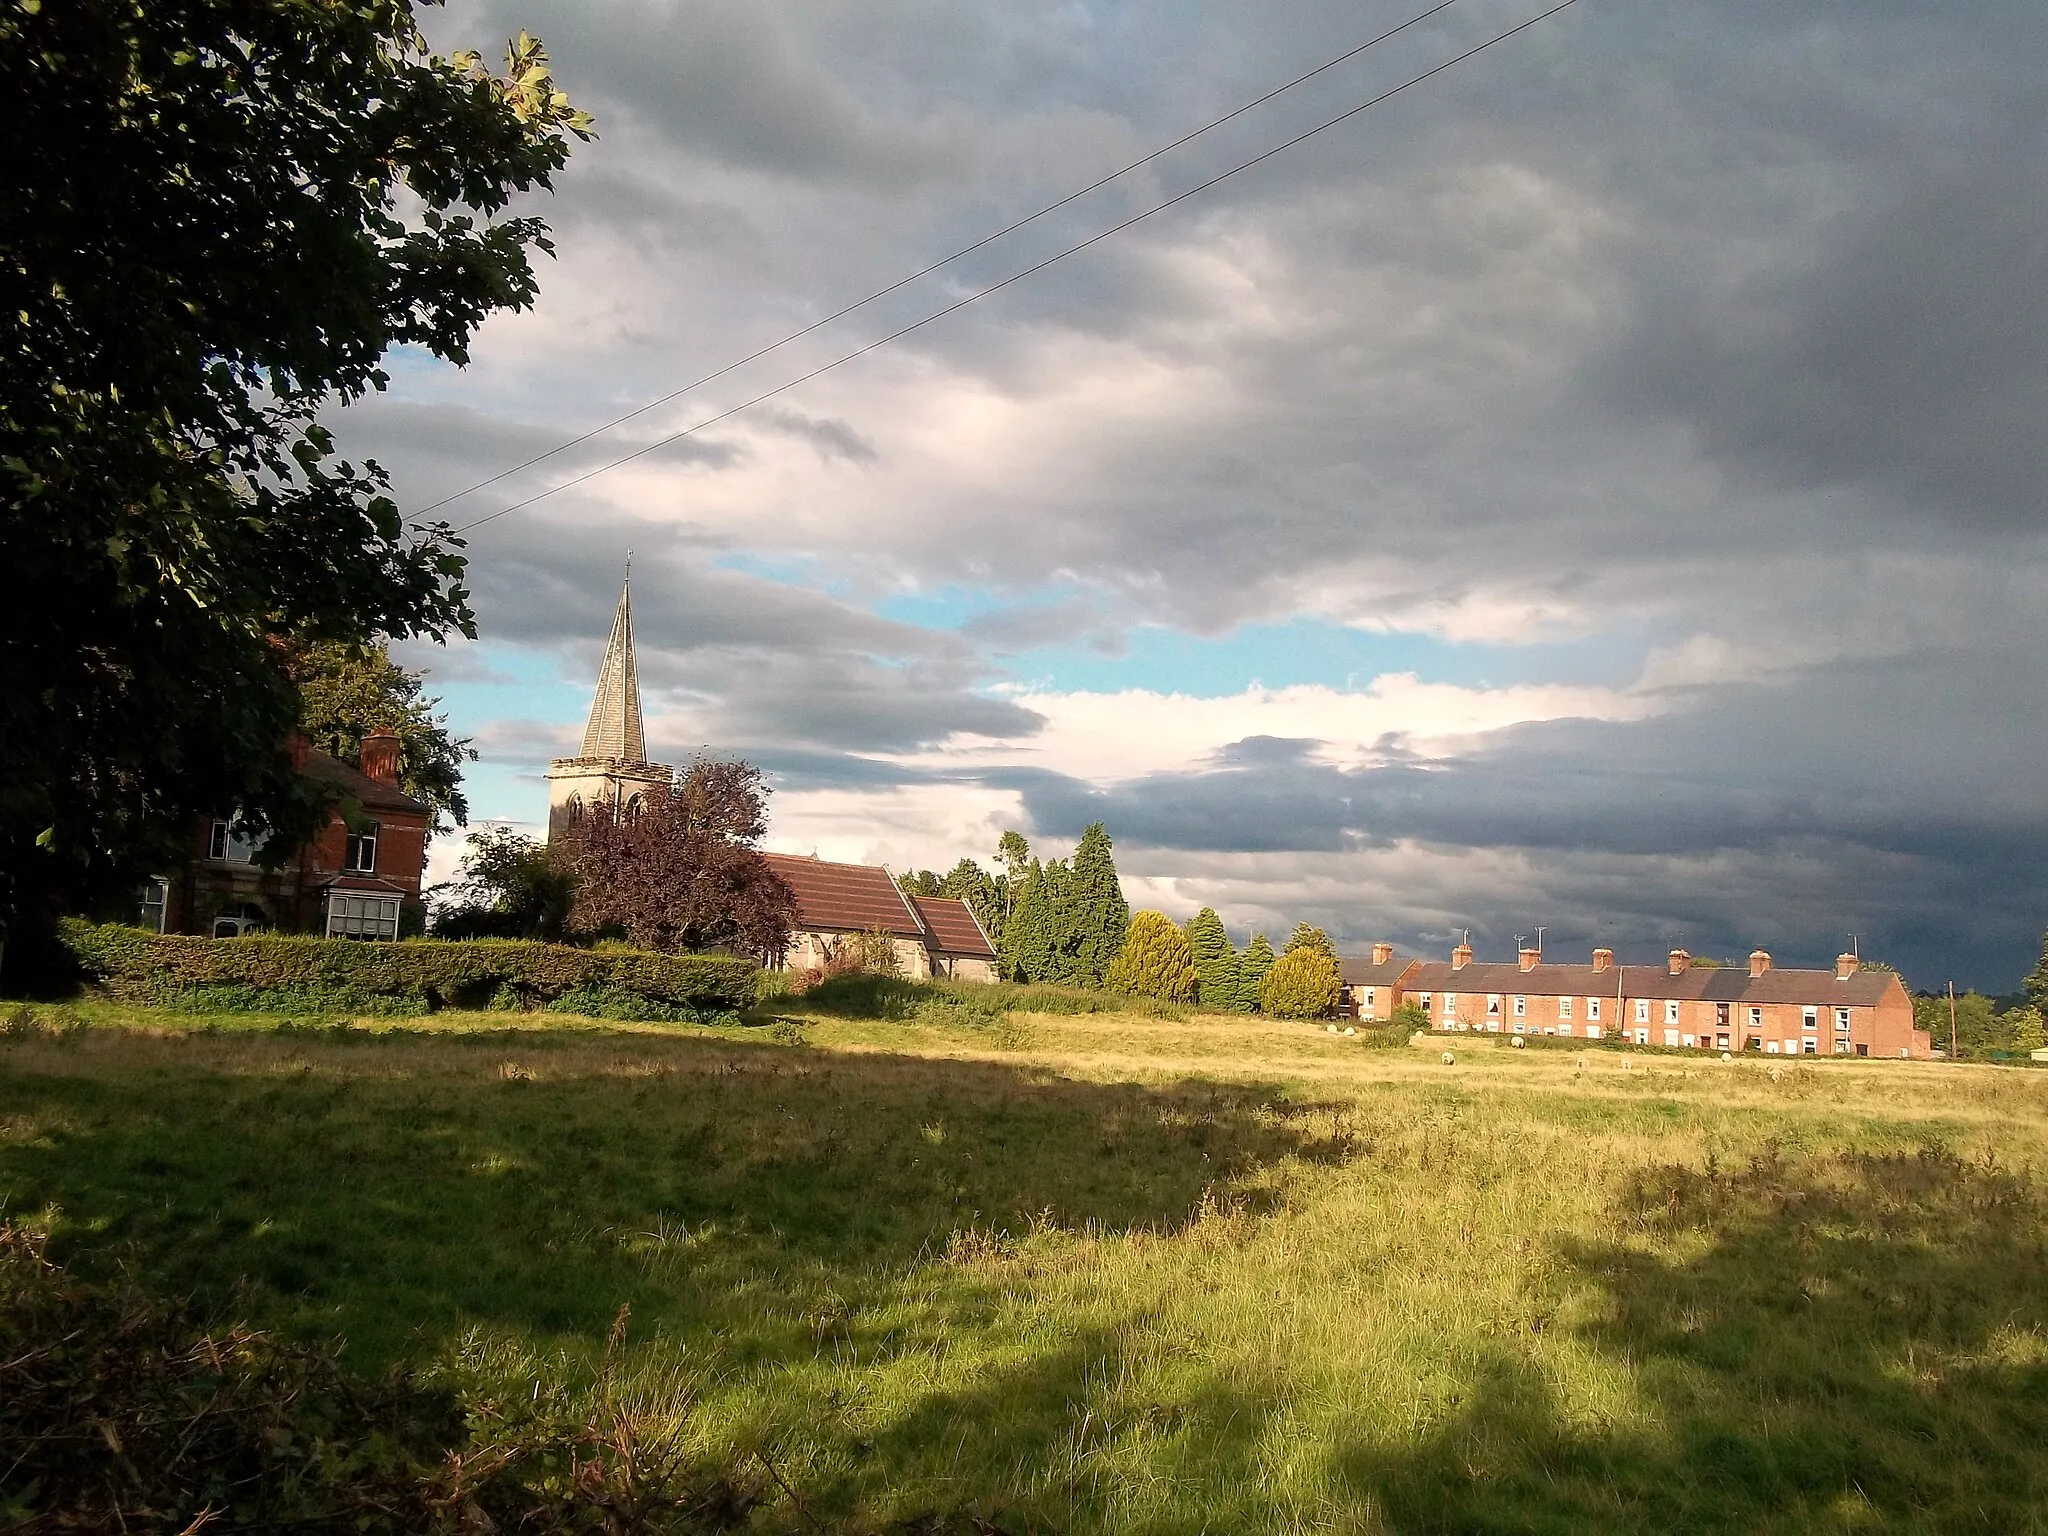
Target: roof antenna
[[1539, 937], [1856, 947]]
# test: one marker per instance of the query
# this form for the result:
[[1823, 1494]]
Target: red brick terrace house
[[935, 935], [1848, 1011], [1373, 986], [348, 882]]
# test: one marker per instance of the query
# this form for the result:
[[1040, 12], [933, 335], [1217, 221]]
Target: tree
[[984, 894], [1307, 936], [348, 691], [1155, 961], [1978, 1031], [1258, 960], [218, 219], [1303, 984], [2023, 1027], [2037, 979], [684, 874], [920, 882], [509, 886], [1095, 916], [1216, 962], [1028, 949]]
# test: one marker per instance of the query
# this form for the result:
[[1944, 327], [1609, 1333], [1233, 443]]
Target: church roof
[[615, 730], [953, 928], [850, 898]]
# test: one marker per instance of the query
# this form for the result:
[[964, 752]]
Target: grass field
[[1107, 1273]]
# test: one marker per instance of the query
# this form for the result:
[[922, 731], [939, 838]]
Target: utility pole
[[1951, 1021]]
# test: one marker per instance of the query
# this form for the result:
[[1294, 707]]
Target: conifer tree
[[1094, 916], [1258, 959], [1303, 984], [1027, 947], [1307, 936], [2037, 979], [1155, 961], [1216, 962]]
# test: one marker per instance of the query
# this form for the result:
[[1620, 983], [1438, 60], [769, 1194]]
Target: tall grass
[[1115, 1273]]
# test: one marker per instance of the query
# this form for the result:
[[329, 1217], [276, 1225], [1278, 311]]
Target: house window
[[1671, 1037], [1493, 1005], [1564, 1008], [1720, 1015], [1841, 1021], [1521, 1007], [1368, 1000], [1425, 1002], [232, 843], [1562, 1029], [361, 917], [1450, 1005], [1592, 1007], [1592, 1031], [1756, 1018], [1809, 1019], [360, 856], [1670, 1012], [1720, 1042], [1810, 1046], [156, 899], [1642, 1010]]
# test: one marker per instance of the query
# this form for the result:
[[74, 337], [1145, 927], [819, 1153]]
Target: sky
[[1598, 489]]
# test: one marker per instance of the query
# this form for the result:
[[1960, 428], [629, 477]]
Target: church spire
[[615, 730]]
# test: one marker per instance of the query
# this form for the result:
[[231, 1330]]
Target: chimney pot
[[1382, 954], [1461, 957], [1602, 959], [379, 757], [1679, 961], [1759, 961], [1847, 966], [1529, 959]]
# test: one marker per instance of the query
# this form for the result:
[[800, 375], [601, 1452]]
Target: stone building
[[933, 935], [612, 770]]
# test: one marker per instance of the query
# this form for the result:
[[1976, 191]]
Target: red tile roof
[[371, 794], [1696, 984], [850, 898], [953, 928]]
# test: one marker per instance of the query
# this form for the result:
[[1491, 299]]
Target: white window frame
[[1450, 1005], [1368, 1000], [156, 899], [229, 844], [1670, 1011], [354, 844], [361, 915], [1564, 1007], [1642, 1010], [1424, 1000], [1593, 1032], [1756, 1018], [1521, 1007], [1841, 1021], [1592, 1007], [1809, 1019]]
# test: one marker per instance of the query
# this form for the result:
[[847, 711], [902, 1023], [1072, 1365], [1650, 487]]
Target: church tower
[[612, 773]]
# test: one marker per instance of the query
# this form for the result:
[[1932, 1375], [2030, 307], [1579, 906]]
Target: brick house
[[935, 936], [352, 880], [1372, 984], [1849, 1011]]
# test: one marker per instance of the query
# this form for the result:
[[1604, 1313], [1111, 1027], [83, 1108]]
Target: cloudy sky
[[1600, 488]]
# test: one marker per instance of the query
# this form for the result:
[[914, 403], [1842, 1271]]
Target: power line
[[1017, 277], [965, 250]]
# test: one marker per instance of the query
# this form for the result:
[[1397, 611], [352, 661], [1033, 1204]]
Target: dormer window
[[360, 855]]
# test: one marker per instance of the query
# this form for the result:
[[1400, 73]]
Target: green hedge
[[294, 973]]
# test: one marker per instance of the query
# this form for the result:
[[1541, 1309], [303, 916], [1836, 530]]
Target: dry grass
[[1117, 1274]]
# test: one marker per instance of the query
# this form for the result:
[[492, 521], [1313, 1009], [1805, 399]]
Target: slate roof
[[1712, 984], [373, 794], [849, 898], [1359, 971], [953, 928]]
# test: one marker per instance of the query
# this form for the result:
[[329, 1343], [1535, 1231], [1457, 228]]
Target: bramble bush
[[283, 973]]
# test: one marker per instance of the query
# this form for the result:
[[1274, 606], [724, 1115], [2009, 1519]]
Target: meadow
[[1112, 1273]]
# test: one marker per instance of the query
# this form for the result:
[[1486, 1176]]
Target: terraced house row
[[1849, 1011]]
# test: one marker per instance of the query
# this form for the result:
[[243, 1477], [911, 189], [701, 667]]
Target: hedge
[[288, 973]]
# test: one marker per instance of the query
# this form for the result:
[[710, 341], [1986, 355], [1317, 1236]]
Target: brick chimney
[[1603, 959], [1528, 958], [1847, 966], [1461, 957], [298, 746], [1382, 954], [1759, 961], [1678, 961], [379, 757]]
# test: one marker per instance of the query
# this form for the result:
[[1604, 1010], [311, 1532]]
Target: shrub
[[1410, 1017], [862, 996], [871, 953], [1303, 984], [299, 974], [1155, 961]]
